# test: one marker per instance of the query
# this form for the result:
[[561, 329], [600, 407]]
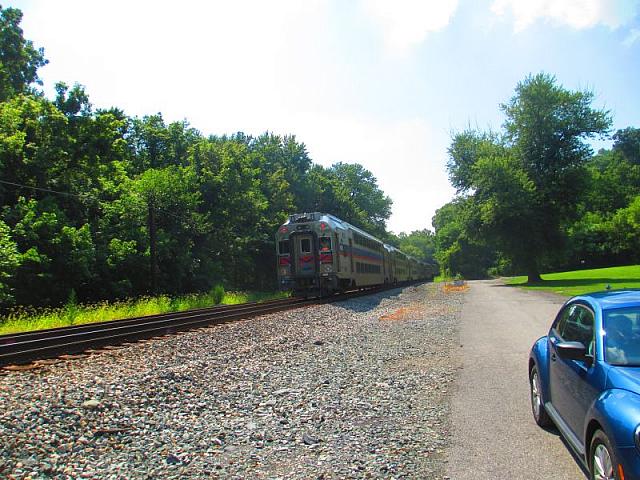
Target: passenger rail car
[[319, 254]]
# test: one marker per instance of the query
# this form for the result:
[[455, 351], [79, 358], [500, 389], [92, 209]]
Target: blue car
[[585, 379]]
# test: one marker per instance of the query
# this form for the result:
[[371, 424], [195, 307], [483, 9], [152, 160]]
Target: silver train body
[[319, 254]]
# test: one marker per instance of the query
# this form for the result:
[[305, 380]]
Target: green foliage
[[456, 251], [113, 207], [19, 59], [364, 203], [606, 232], [350, 192], [217, 294], [419, 244], [71, 308], [9, 261], [525, 185], [627, 142], [625, 229]]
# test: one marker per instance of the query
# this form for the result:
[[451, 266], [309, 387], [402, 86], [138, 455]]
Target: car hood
[[625, 378]]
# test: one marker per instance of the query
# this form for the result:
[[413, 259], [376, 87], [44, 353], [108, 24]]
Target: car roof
[[613, 299]]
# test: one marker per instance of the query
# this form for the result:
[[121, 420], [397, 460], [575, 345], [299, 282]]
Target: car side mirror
[[573, 351]]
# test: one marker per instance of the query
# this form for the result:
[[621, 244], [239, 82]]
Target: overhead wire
[[91, 196], [45, 189]]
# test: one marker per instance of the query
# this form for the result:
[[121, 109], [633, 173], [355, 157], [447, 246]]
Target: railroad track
[[21, 348]]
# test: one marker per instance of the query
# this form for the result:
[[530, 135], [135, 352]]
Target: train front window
[[283, 247], [325, 244], [305, 245]]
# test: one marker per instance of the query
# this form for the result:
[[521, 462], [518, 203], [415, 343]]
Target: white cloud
[[197, 57], [251, 66], [407, 157], [633, 37], [578, 14], [406, 23]]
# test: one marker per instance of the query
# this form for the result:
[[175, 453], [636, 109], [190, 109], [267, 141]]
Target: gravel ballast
[[356, 389]]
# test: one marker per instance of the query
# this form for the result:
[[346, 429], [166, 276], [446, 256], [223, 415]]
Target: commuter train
[[319, 254]]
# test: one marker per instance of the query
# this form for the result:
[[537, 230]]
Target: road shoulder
[[493, 432]]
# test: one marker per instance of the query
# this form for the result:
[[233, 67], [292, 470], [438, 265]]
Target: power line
[[79, 195], [93, 197]]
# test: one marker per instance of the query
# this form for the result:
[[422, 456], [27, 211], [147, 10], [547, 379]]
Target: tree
[[350, 192], [419, 244], [527, 182], [9, 262], [55, 257], [19, 59], [457, 249], [168, 200], [107, 206], [603, 234], [613, 182], [627, 141], [360, 186]]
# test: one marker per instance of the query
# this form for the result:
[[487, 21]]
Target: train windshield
[[305, 245], [283, 247], [325, 244]]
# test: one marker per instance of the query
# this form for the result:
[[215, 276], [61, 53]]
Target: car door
[[573, 383]]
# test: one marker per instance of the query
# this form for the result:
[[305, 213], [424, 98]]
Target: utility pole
[[151, 219]]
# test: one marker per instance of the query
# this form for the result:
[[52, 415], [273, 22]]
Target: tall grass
[[72, 313]]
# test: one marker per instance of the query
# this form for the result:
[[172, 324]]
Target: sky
[[383, 83]]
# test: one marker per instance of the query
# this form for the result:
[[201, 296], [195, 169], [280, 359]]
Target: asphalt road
[[494, 434]]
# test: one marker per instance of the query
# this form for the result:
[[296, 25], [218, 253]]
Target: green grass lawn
[[584, 281], [24, 320]]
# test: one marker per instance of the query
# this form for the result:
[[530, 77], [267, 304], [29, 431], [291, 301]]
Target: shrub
[[71, 309], [217, 294]]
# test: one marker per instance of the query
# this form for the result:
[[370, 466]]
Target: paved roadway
[[494, 435]]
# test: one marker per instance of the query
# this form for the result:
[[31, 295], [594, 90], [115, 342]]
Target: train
[[319, 254]]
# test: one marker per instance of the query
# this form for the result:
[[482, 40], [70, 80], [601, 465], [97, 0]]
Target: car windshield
[[622, 336]]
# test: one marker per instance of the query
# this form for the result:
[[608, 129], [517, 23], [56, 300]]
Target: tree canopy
[[110, 206], [19, 59], [525, 183], [533, 196]]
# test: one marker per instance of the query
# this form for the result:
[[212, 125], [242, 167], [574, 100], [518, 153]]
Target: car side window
[[561, 321], [577, 326]]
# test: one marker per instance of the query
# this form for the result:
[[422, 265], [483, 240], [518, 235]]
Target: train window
[[283, 247], [325, 244], [367, 268], [305, 245]]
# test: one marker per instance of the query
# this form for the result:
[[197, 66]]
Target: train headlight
[[327, 268]]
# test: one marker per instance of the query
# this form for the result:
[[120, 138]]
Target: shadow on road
[[554, 431], [578, 282]]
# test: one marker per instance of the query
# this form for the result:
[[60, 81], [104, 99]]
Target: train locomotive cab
[[306, 260]]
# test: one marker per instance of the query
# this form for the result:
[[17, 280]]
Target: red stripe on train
[[285, 261], [326, 258]]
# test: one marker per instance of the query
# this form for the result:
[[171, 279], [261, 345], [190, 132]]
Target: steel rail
[[23, 336], [26, 347]]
